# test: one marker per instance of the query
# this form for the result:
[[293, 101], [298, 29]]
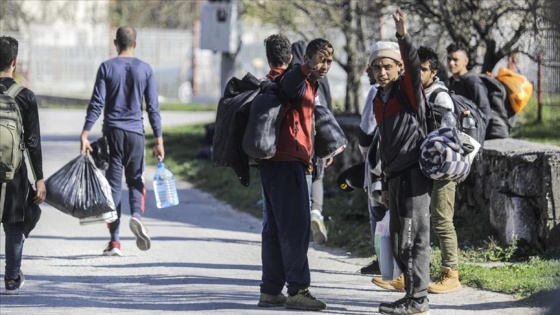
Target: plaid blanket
[[447, 154]]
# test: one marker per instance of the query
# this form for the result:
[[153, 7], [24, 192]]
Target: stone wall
[[517, 184], [516, 187]]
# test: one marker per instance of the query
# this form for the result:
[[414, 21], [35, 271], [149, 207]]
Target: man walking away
[[18, 201], [121, 85]]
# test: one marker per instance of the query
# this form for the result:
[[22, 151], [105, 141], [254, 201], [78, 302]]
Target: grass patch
[[548, 130], [348, 223], [522, 278]]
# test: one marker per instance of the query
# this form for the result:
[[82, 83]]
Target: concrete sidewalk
[[205, 258]]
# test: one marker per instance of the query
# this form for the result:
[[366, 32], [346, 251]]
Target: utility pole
[[219, 31]]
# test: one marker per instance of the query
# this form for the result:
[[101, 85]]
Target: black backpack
[[501, 121], [435, 113]]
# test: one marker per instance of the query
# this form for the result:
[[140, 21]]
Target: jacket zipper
[[385, 132], [296, 129]]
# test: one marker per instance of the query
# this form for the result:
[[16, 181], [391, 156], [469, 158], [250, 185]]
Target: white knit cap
[[384, 50]]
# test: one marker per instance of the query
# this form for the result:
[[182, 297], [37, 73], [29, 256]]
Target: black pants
[[285, 234], [410, 228], [126, 150]]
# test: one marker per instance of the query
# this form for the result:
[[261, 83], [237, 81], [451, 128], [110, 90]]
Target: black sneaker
[[303, 300], [13, 285], [271, 300], [406, 306], [371, 269]]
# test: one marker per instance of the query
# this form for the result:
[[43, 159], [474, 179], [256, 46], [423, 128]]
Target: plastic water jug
[[164, 187], [468, 124], [449, 119]]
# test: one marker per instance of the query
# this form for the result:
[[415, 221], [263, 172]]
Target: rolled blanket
[[444, 156]]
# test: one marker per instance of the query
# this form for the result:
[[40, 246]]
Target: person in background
[[323, 98], [122, 84], [278, 55], [18, 201], [376, 210], [442, 205], [285, 181], [466, 84], [510, 62]]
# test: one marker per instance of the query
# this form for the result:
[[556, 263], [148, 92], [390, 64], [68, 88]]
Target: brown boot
[[393, 285], [448, 282]]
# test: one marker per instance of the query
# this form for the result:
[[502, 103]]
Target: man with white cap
[[399, 110]]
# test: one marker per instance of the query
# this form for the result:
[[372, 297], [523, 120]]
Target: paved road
[[205, 258]]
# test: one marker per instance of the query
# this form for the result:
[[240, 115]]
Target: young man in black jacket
[[16, 208], [399, 109], [466, 84]]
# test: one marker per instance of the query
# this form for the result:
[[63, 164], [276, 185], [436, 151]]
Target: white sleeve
[[444, 100], [368, 122]]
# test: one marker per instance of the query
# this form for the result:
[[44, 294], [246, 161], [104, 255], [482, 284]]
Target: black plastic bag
[[32, 213], [80, 189], [100, 153]]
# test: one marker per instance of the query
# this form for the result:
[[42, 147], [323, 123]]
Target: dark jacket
[[472, 87], [16, 206], [401, 120], [231, 120]]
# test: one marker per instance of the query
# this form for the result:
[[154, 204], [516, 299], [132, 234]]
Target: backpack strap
[[14, 90], [434, 94], [2, 199]]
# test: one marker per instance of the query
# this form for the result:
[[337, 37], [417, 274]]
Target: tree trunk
[[353, 91], [490, 58], [352, 67]]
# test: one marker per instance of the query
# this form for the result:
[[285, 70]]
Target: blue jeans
[[14, 248]]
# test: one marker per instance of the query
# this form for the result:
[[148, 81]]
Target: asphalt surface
[[205, 257]]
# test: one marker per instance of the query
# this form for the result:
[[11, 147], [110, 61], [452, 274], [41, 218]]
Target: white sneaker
[[318, 228], [142, 239], [113, 249]]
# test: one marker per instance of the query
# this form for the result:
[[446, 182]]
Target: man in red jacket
[[285, 179]]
